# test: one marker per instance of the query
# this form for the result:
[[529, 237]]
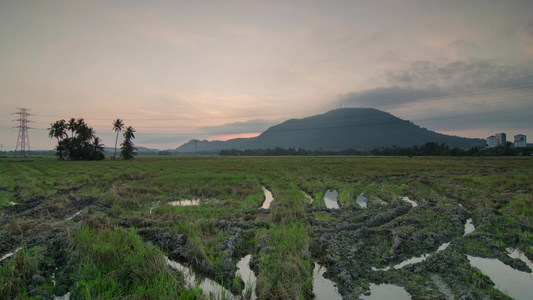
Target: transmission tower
[[23, 140]]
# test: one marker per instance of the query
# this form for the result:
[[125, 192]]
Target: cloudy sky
[[177, 70]]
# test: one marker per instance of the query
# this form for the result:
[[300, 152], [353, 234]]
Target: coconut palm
[[58, 130], [71, 125], [128, 149], [98, 149], [129, 133], [118, 125]]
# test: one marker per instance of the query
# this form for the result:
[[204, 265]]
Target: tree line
[[428, 149], [83, 144]]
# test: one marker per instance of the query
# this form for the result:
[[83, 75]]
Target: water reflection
[[413, 260], [268, 198], [516, 284], [186, 202], [387, 291], [247, 275], [362, 201], [193, 279], [323, 288], [469, 227], [406, 199], [516, 253], [330, 198]]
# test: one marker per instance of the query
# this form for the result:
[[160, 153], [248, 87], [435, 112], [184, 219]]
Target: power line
[[23, 139]]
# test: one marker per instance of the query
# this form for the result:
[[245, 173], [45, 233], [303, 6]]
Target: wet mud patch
[[226, 253]]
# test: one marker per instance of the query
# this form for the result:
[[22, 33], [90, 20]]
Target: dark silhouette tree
[[58, 130], [118, 126], [81, 145], [97, 149], [128, 148], [71, 125]]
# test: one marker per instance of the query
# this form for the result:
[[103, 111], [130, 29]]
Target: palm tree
[[118, 125], [71, 125], [128, 133], [128, 149], [58, 130], [98, 149]]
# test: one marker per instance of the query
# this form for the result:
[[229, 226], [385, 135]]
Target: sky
[[181, 70]]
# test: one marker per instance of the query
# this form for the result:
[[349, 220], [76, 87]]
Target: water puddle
[[330, 198], [516, 253], [185, 202], [362, 201], [413, 260], [194, 279], [323, 288], [12, 203], [247, 276], [469, 227], [74, 215], [268, 198], [422, 258], [387, 291], [10, 254], [406, 199], [516, 284]]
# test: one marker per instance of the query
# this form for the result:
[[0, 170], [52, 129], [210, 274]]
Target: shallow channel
[[414, 260], [247, 275], [330, 198], [323, 288]]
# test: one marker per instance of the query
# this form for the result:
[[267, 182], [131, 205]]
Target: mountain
[[347, 128]]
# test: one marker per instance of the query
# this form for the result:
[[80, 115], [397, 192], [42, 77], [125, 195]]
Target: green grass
[[116, 263], [113, 262], [17, 271]]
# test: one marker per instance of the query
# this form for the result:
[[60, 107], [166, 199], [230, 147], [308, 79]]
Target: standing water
[[331, 199], [516, 284], [247, 276], [268, 198], [387, 291], [406, 199], [186, 202], [469, 227], [323, 288], [362, 201], [193, 279]]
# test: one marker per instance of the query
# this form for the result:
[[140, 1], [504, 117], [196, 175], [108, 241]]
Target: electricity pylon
[[23, 140]]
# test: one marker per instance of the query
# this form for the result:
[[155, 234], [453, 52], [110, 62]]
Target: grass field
[[103, 229]]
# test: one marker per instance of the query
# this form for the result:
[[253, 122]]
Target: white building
[[520, 140], [501, 139], [491, 141]]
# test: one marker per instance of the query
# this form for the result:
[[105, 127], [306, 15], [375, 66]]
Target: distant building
[[520, 140], [491, 141], [501, 139]]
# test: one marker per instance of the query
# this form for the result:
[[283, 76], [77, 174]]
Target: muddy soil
[[350, 241]]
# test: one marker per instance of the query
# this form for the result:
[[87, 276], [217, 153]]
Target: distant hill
[[347, 128]]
